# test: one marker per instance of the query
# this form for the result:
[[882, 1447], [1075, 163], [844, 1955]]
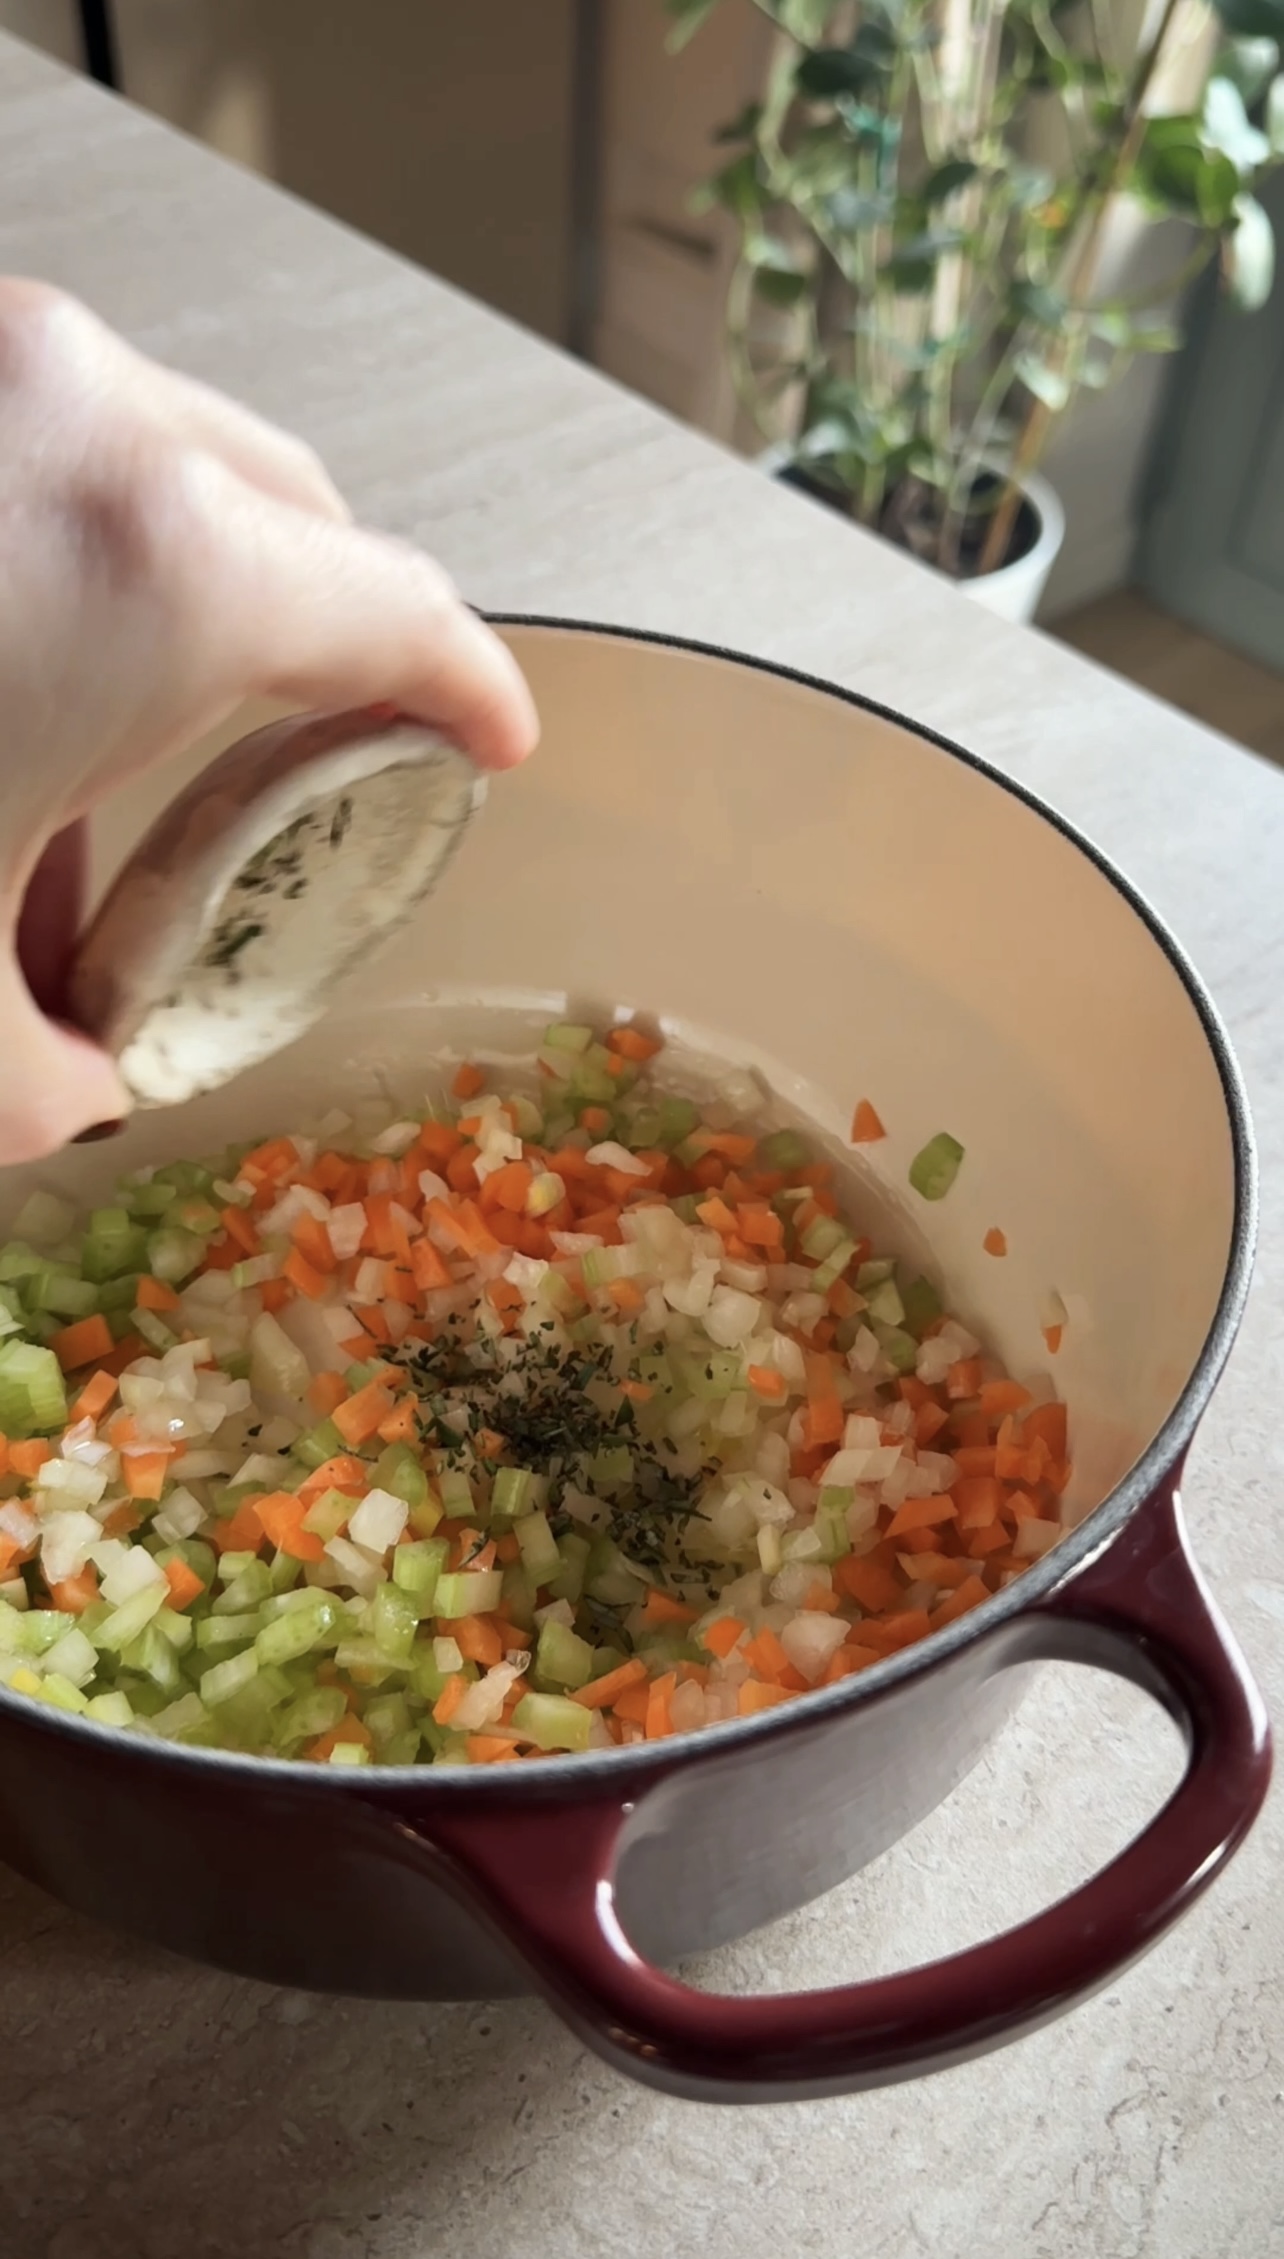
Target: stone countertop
[[156, 2110]]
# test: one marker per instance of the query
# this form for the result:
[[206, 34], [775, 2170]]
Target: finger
[[56, 1082], [323, 615], [273, 461]]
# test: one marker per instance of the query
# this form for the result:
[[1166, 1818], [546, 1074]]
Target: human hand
[[166, 555]]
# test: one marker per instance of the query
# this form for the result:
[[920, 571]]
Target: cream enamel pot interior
[[793, 880]]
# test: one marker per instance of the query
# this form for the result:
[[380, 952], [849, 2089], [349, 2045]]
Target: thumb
[[56, 1082]]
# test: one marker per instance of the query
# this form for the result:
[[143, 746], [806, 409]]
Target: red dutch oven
[[794, 880]]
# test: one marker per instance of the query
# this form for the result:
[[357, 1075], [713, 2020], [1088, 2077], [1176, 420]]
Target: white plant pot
[[1015, 590]]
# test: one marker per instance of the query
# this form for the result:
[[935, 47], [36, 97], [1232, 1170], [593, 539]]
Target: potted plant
[[925, 196]]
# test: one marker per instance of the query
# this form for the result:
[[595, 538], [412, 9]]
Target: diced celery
[[284, 1572], [367, 1662], [510, 1492], [327, 1514], [899, 1347], [113, 1243], [185, 1716], [311, 1714], [213, 1632], [612, 1467], [573, 1551], [74, 1655], [456, 1496], [921, 1305], [416, 1568], [154, 1331], [398, 1470], [18, 1261], [229, 1678], [126, 1622], [831, 1522], [38, 1630], [540, 1556], [562, 1657], [110, 1709], [152, 1655], [150, 1200], [62, 1694], [32, 1395], [297, 1631], [873, 1273], [678, 1117], [715, 1376], [933, 1170], [178, 1629], [552, 1721], [784, 1150], [233, 1564], [885, 1306], [248, 1589], [118, 1297], [518, 1594], [610, 1578], [822, 1235], [318, 1444], [468, 1592], [396, 1620], [63, 1293], [561, 1036]]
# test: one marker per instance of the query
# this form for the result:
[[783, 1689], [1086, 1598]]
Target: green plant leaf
[[736, 188], [1249, 64], [742, 128], [1035, 302], [955, 173], [779, 289], [854, 208], [1226, 127], [1030, 185], [1049, 385], [1274, 117], [686, 18], [1176, 173], [1252, 19], [830, 71], [1248, 256]]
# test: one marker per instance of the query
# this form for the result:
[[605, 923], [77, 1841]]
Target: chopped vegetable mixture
[[548, 1422]]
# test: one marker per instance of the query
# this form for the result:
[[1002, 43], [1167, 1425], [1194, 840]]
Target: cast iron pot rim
[[537, 1777]]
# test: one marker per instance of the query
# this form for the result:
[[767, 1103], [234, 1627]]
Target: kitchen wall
[[443, 130]]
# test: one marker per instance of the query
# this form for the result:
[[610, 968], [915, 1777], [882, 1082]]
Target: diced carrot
[[281, 1513], [275, 1293], [243, 1533], [971, 1427], [889, 1633], [848, 1660], [459, 1172], [1000, 1396], [12, 1552], [964, 1378], [925, 1540], [358, 1418], [478, 1640], [343, 1472], [428, 1270], [93, 1399], [659, 1716], [975, 1459], [968, 1595], [626, 1294], [715, 1213], [184, 1584], [144, 1472], [767, 1383], [1048, 1421], [759, 1224], [823, 1423], [756, 1695], [74, 1594], [866, 1581], [448, 1701], [401, 1426], [595, 1119], [238, 1227], [633, 1704], [978, 1499], [928, 1422], [314, 1244], [348, 1729], [732, 1146], [325, 1392], [922, 1514], [438, 1142], [935, 1568], [1052, 1337], [637, 1392], [866, 1127], [630, 1043], [490, 1749], [995, 1241], [276, 1158], [504, 1297], [154, 1294], [986, 1540], [303, 1275], [469, 1079], [662, 1608], [83, 1343], [766, 1656], [721, 1635]]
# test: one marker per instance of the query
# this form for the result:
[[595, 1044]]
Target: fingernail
[[98, 1130]]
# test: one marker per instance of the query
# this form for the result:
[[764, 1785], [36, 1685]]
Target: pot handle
[[1140, 1609]]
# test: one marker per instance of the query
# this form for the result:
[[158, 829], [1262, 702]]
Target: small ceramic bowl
[[795, 881]]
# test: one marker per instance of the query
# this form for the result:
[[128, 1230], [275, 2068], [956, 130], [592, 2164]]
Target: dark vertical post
[[98, 36], [585, 175]]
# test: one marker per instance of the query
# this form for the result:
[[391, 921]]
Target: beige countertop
[[156, 2110]]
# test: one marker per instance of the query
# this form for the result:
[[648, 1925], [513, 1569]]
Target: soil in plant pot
[[909, 516]]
